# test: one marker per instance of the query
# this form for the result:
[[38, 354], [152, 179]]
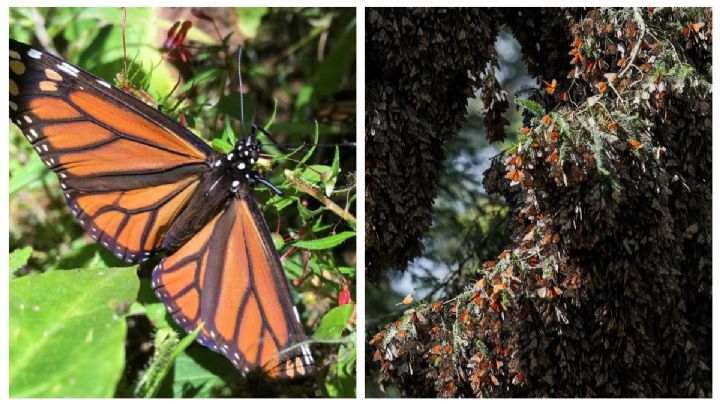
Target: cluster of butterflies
[[140, 183]]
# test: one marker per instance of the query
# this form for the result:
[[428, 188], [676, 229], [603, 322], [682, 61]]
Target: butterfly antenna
[[240, 84], [267, 135]]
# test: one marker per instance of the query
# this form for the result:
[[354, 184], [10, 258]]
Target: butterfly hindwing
[[126, 169], [232, 260]]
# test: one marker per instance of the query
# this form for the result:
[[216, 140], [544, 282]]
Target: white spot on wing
[[14, 54], [104, 84], [13, 106], [35, 54], [69, 69], [33, 133], [27, 119]]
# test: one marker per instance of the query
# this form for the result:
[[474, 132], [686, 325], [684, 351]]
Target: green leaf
[[206, 75], [314, 146], [28, 175], [325, 242], [331, 74], [281, 203], [154, 309], [221, 145], [333, 322], [304, 96], [249, 19], [229, 134], [66, 336], [278, 240], [19, 258], [315, 174], [270, 121], [330, 182], [201, 373], [347, 271], [531, 106]]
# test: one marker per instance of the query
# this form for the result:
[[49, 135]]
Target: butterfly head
[[242, 160], [245, 154]]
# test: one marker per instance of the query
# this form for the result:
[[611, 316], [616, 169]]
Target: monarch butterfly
[[140, 183]]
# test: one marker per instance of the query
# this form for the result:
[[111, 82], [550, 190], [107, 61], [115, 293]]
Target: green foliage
[[67, 332], [19, 258], [168, 348], [536, 109], [329, 77], [275, 66], [334, 322], [325, 242], [340, 381], [343, 385], [197, 377]]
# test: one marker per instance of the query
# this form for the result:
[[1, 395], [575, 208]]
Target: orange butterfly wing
[[126, 170], [232, 260]]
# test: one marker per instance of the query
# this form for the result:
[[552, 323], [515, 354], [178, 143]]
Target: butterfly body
[[141, 184], [227, 176]]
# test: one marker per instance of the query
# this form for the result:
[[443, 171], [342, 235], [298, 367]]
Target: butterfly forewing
[[126, 169], [229, 278]]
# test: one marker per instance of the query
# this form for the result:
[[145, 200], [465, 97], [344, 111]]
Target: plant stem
[[302, 186], [636, 49]]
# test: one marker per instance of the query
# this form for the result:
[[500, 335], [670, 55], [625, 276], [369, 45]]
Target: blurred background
[[468, 225], [298, 67]]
